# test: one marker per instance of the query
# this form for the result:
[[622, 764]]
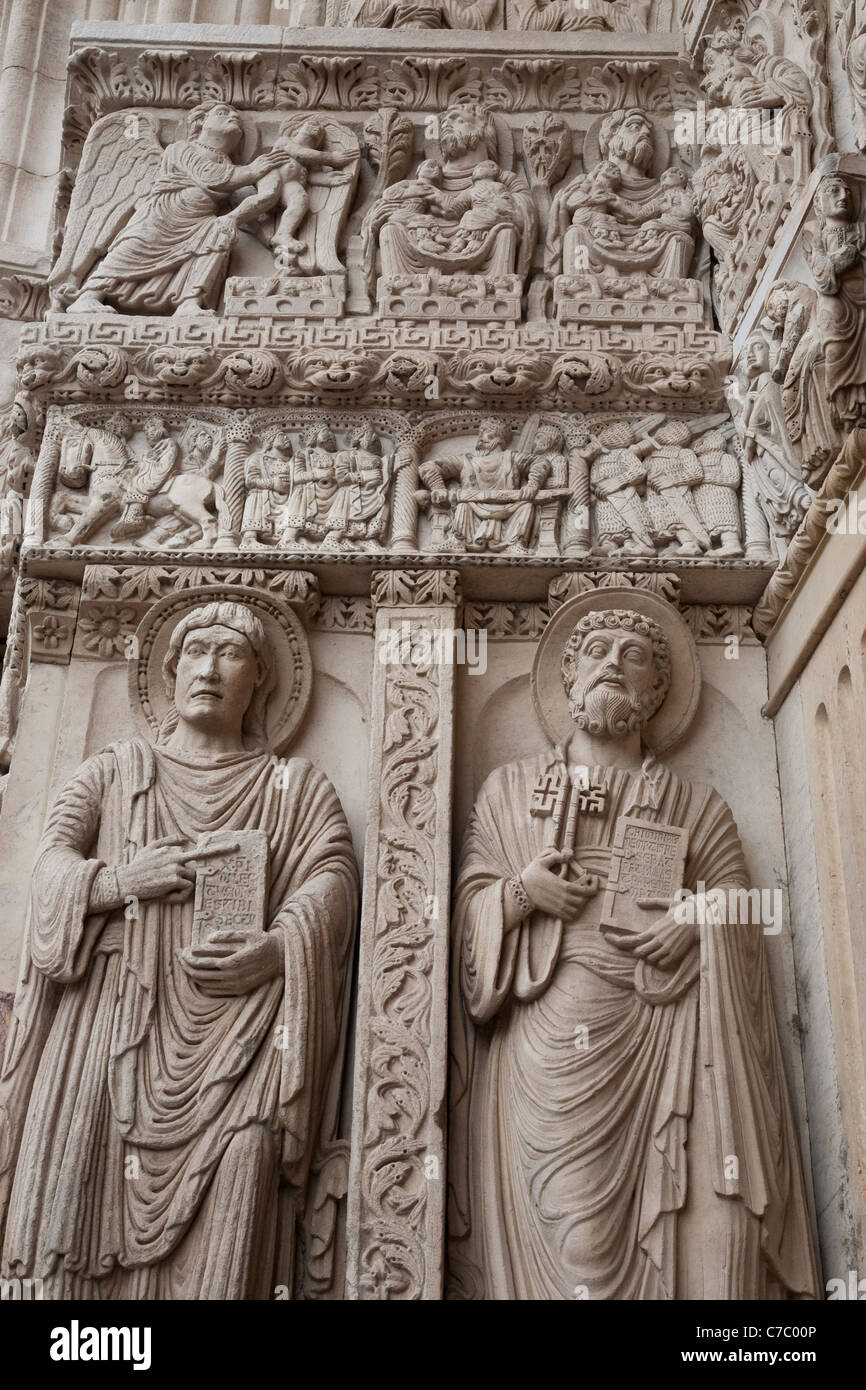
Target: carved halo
[[292, 661], [548, 694], [661, 159]]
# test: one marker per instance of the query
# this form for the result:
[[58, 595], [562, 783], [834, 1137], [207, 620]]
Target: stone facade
[[429, 516]]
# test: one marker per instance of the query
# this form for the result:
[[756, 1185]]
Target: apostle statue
[[172, 1069], [620, 1124]]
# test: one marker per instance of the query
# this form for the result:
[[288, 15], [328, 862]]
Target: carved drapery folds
[[349, 327]]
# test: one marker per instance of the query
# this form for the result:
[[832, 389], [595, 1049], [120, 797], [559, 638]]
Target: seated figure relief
[[620, 1125], [421, 14], [627, 16], [497, 498], [619, 222], [180, 1011], [463, 228]]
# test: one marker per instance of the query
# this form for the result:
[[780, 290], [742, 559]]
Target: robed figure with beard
[[167, 1094], [620, 1126]]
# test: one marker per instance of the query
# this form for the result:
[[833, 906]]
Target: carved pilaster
[[397, 1181]]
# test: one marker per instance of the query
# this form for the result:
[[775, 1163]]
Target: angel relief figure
[[150, 230]]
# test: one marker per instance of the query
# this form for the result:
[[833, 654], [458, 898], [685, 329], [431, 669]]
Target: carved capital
[[414, 588]]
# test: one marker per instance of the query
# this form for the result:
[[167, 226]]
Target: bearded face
[[461, 131], [613, 691], [634, 143]]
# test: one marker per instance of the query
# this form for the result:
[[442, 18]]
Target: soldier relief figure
[[620, 1124], [173, 1067]]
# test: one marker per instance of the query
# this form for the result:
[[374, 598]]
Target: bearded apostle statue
[[173, 1067], [620, 1124]]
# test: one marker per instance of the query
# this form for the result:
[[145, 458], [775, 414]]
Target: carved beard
[[608, 711], [457, 140], [638, 152]]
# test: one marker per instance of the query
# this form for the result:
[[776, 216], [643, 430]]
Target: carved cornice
[[511, 70], [540, 364]]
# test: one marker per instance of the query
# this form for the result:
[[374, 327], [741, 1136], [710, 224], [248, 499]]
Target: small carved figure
[[267, 479], [493, 507], [778, 481], [799, 366], [618, 471], [716, 498], [836, 258], [672, 471]]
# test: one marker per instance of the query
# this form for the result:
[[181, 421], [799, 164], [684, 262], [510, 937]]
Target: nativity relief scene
[[432, 615]]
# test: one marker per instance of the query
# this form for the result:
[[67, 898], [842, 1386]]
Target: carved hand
[[664, 944], [162, 870], [528, 491], [231, 962], [550, 893], [265, 164]]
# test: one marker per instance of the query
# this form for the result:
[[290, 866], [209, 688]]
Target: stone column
[[397, 1177]]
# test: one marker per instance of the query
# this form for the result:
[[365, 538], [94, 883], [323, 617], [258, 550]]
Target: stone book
[[231, 884], [646, 870]]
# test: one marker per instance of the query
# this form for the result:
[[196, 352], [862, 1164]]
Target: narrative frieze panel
[[145, 480]]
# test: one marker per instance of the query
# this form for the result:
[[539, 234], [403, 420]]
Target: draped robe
[[151, 1123], [176, 244], [590, 1092]]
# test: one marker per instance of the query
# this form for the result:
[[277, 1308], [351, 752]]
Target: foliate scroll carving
[[568, 586], [397, 1180], [415, 588]]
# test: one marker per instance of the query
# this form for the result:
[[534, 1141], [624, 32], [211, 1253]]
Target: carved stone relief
[[551, 305], [175, 918], [558, 1037]]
